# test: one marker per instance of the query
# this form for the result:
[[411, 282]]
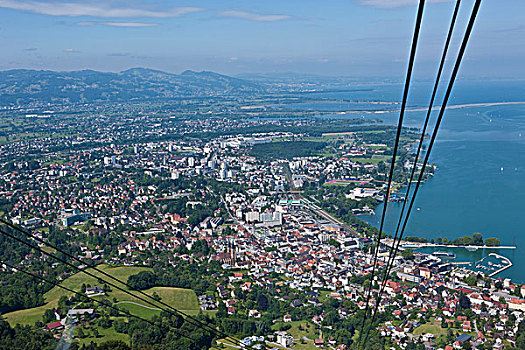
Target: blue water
[[469, 192]]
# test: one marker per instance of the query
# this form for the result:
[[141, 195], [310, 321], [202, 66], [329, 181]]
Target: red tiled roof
[[54, 325]]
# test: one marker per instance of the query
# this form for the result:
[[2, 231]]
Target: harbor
[[490, 264], [501, 267]]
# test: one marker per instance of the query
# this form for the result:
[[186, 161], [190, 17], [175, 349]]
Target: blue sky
[[333, 37]]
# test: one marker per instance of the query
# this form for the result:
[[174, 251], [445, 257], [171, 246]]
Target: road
[[149, 307]]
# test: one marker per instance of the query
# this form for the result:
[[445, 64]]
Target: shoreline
[[474, 247]]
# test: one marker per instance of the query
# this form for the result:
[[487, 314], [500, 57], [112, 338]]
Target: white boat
[[445, 254], [409, 245]]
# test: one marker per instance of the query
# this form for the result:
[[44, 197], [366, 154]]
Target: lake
[[479, 185]]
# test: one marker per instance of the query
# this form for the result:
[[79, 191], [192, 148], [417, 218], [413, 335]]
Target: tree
[[471, 280], [477, 238], [262, 302], [334, 243], [156, 296], [464, 302], [113, 345], [142, 280], [63, 302], [492, 242], [80, 333], [49, 315], [407, 254], [520, 336]]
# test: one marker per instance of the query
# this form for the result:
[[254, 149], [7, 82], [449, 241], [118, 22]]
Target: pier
[[505, 259], [474, 247]]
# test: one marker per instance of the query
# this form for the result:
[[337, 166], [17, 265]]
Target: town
[[251, 223]]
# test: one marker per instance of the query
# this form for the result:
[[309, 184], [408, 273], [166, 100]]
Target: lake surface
[[479, 185]]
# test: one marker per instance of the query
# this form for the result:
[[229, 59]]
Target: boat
[[409, 245], [445, 254], [471, 248]]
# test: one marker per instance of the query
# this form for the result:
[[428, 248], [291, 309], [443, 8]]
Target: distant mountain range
[[23, 86]]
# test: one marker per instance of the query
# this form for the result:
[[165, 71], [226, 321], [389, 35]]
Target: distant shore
[[421, 109], [471, 105]]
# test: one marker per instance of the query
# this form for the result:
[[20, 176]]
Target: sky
[[362, 38]]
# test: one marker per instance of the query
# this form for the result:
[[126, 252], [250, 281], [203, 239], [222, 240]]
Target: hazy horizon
[[361, 38]]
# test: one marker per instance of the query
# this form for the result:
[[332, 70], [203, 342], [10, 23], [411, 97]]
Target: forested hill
[[23, 86]]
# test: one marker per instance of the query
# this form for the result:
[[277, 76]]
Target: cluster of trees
[[243, 327], [11, 250], [416, 239], [108, 345], [183, 275], [24, 337], [475, 239], [6, 204], [20, 291], [142, 280], [167, 335], [341, 207], [286, 149], [520, 336]]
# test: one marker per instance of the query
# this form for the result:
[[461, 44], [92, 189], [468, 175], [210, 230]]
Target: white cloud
[[129, 24], [75, 9], [251, 16], [385, 4], [118, 24]]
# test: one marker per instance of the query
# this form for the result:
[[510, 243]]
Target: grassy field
[[374, 160], [139, 310], [104, 335], [433, 327], [30, 316], [308, 331], [181, 299]]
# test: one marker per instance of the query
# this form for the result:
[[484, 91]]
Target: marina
[[486, 261]]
